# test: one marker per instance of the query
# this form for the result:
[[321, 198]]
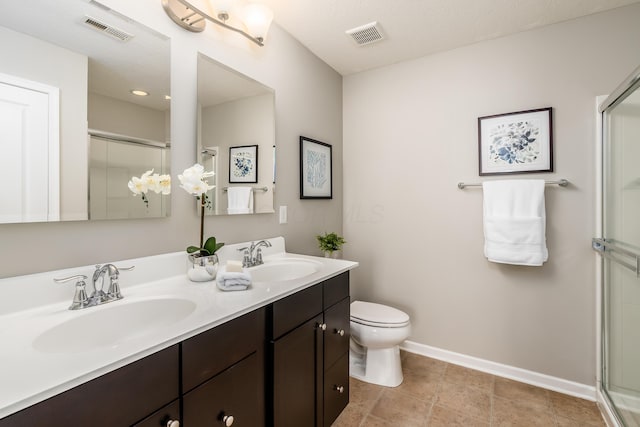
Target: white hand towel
[[233, 281], [239, 200], [515, 222]]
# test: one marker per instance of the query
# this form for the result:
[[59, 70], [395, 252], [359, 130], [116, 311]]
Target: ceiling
[[415, 28]]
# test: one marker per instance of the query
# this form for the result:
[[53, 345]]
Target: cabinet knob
[[338, 388], [340, 332], [322, 326], [227, 420], [173, 423]]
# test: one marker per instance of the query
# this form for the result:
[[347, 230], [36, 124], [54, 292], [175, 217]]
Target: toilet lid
[[373, 313]]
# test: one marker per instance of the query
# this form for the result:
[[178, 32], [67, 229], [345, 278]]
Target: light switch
[[283, 214]]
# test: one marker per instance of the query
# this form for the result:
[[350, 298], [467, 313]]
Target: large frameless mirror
[[72, 132], [236, 139]]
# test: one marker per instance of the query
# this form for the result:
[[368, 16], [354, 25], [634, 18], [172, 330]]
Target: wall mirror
[[70, 125], [236, 139]]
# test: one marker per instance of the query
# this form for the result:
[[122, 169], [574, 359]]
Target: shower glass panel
[[621, 229]]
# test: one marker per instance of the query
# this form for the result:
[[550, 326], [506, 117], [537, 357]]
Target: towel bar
[[561, 182], [265, 189]]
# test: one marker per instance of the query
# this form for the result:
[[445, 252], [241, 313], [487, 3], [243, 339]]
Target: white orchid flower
[[137, 185], [164, 184], [193, 180]]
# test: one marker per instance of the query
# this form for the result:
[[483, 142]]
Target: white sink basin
[[282, 270], [112, 324]]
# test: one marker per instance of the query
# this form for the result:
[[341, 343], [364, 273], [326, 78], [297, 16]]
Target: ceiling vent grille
[[107, 29], [366, 34]]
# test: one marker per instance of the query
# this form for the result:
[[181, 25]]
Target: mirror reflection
[[236, 139], [70, 125]]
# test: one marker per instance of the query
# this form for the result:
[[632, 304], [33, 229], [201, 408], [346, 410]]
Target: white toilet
[[376, 332]]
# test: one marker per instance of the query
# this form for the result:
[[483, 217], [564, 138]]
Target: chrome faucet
[[253, 253], [113, 292], [98, 296]]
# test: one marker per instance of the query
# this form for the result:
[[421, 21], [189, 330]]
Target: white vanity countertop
[[29, 375]]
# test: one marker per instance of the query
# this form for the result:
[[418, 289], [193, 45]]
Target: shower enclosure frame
[[628, 86]]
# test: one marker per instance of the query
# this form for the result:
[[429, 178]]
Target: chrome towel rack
[[265, 189], [613, 251], [561, 182]]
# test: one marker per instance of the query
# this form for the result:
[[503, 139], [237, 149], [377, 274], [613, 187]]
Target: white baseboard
[[560, 385]]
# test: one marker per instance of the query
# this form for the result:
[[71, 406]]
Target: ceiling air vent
[[366, 34], [107, 29]]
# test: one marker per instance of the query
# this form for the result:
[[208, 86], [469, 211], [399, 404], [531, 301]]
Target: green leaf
[[212, 246], [192, 249]]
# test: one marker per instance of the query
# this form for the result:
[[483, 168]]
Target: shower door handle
[[613, 251]]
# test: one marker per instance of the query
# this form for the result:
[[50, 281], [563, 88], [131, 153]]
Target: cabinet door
[[297, 377], [236, 392], [336, 336], [336, 389]]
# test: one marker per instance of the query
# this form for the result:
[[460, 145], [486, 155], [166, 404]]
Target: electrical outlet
[[283, 214]]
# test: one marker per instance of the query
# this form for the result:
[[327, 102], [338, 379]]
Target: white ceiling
[[415, 28]]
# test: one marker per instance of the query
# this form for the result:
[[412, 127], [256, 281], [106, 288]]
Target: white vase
[[332, 254], [202, 268]]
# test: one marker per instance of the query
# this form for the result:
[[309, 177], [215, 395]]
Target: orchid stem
[[202, 203]]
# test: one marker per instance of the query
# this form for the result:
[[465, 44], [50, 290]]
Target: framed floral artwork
[[315, 169], [243, 164], [520, 142]]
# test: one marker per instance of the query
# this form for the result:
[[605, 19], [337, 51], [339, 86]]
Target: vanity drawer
[[119, 398], [237, 392], [335, 289], [336, 389], [213, 351], [161, 418], [337, 321], [294, 310]]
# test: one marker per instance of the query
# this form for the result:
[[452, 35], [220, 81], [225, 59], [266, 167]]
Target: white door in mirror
[[29, 163]]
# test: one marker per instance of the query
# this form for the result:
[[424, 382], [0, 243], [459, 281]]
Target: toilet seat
[[378, 315]]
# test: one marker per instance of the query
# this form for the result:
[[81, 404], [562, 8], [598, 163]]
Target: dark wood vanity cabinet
[[308, 383], [286, 364]]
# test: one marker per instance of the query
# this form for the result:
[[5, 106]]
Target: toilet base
[[377, 366]]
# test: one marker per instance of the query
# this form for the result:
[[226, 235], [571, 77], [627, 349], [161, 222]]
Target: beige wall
[[299, 79], [410, 134], [33, 59]]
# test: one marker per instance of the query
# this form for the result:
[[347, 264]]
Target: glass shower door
[[621, 247]]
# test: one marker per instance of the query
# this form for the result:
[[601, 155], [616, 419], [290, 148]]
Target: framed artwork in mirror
[[519, 142], [243, 164], [315, 169]]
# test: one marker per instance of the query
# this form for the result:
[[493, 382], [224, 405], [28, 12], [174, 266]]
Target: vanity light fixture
[[256, 17], [139, 92]]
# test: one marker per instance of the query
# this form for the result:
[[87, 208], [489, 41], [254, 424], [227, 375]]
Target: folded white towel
[[233, 281], [515, 222], [239, 200]]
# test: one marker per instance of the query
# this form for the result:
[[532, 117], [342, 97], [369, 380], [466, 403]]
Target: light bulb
[[257, 18]]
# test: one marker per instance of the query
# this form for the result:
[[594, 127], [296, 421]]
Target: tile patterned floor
[[439, 394]]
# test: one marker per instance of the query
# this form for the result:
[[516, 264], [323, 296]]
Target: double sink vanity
[[174, 352]]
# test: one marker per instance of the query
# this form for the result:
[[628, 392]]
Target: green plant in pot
[[203, 261], [330, 243]]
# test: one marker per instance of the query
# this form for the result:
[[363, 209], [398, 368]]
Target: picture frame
[[316, 169], [243, 164], [518, 142]]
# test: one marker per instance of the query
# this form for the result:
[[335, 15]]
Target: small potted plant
[[330, 244]]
